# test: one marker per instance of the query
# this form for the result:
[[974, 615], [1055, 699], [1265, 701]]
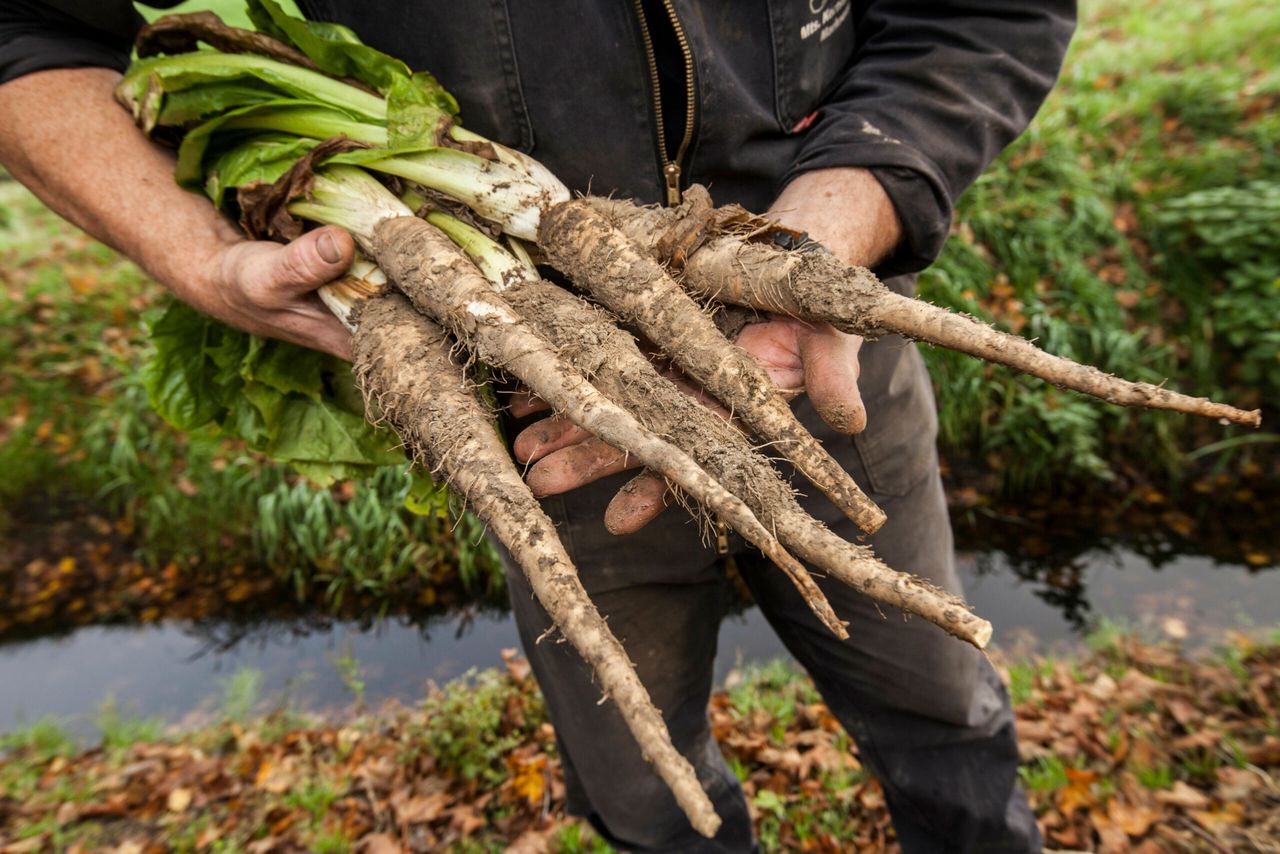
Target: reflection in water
[[178, 670], [1184, 597]]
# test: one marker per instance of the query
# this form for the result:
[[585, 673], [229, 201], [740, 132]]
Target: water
[[179, 671]]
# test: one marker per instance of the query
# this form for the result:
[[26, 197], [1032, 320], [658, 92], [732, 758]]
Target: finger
[[831, 371], [328, 334], [524, 402], [546, 436], [577, 465], [308, 322], [310, 261], [638, 503], [773, 343]]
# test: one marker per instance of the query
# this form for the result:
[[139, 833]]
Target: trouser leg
[[928, 712], [667, 616]]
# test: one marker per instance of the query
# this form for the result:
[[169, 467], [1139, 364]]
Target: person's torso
[[573, 83]]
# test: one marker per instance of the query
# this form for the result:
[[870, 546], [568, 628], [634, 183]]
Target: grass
[[1135, 226], [468, 735], [119, 728], [1045, 774]]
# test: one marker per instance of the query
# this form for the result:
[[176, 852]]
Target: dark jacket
[[924, 94]]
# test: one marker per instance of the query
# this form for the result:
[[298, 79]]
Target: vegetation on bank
[[1132, 747], [1135, 226]]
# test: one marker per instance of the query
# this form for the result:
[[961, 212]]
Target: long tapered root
[[408, 377], [817, 286], [592, 342], [443, 283], [934, 325], [601, 259]]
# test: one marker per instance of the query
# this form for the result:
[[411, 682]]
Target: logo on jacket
[[827, 18]]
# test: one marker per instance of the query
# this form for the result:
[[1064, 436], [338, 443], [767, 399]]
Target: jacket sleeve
[[36, 35], [932, 94]]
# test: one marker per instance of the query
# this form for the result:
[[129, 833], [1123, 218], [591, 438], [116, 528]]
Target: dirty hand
[[269, 289]]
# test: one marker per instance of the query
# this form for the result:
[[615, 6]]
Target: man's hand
[[68, 141], [269, 289], [848, 212]]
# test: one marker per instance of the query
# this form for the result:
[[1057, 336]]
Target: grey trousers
[[929, 715]]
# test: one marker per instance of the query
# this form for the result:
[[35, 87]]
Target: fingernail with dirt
[[328, 248]]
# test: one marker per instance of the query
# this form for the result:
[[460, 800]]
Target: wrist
[[844, 209], [203, 277]]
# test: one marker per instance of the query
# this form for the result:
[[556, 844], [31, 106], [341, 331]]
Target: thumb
[[311, 260], [831, 371]]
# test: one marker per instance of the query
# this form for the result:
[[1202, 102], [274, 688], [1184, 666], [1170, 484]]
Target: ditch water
[[180, 672]]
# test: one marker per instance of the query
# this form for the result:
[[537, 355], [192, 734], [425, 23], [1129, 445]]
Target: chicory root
[[442, 283], [407, 374], [816, 286]]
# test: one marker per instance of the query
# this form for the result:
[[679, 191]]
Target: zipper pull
[[722, 539], [672, 173]]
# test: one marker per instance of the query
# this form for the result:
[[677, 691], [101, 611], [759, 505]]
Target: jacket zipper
[[671, 167]]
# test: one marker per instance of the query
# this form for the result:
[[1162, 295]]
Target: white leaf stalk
[[362, 280], [351, 198], [505, 194], [502, 268]]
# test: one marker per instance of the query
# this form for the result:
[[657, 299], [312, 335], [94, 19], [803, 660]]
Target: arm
[[75, 148], [932, 94]]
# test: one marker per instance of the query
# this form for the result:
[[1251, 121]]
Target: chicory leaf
[[417, 107], [181, 380], [335, 49]]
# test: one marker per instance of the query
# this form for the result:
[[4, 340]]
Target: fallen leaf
[[1235, 784], [1201, 739], [517, 665], [179, 800], [530, 842], [466, 820], [1182, 795], [1076, 794], [274, 778], [1133, 819], [1216, 821], [380, 843], [421, 808], [1266, 753], [529, 779]]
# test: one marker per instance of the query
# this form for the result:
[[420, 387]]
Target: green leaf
[[295, 405], [286, 115], [332, 47], [183, 384], [426, 497], [321, 432], [262, 158], [327, 474], [279, 366], [416, 107], [189, 105], [147, 82]]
